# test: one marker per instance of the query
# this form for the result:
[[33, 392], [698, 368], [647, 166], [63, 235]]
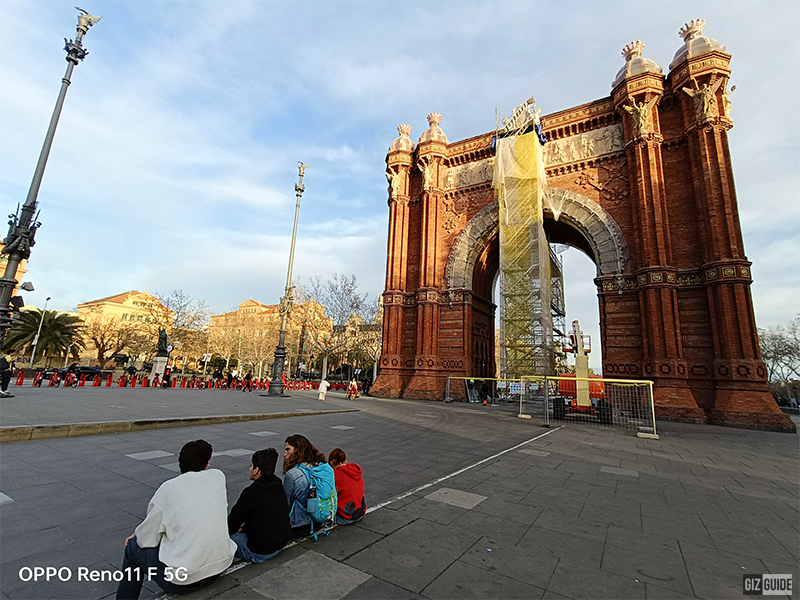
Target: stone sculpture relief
[[642, 114], [394, 182], [726, 102], [474, 173], [583, 146], [705, 99]]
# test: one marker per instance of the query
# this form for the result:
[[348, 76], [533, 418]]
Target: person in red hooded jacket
[[349, 488]]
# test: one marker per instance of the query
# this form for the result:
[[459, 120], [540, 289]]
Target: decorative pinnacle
[[633, 50], [404, 129], [434, 119], [692, 29]]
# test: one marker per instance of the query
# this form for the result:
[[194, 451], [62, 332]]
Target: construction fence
[[619, 403]]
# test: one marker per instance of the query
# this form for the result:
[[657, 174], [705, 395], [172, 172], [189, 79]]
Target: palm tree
[[61, 332]]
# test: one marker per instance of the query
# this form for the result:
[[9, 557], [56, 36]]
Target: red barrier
[[53, 379], [122, 382], [183, 383], [567, 388], [174, 382], [145, 382], [96, 382], [20, 378], [156, 382], [37, 379], [82, 381], [133, 381], [109, 381]]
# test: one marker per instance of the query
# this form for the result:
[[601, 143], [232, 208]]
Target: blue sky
[[176, 155]]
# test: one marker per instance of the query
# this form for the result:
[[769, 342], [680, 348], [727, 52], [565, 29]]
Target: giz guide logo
[[767, 585]]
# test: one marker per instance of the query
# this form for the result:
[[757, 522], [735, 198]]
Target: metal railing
[[619, 403]]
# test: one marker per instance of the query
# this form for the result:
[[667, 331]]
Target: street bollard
[[96, 382], [183, 383], [82, 381], [133, 381], [20, 378]]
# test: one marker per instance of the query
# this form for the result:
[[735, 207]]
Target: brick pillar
[[636, 98], [399, 160], [741, 396], [428, 380]]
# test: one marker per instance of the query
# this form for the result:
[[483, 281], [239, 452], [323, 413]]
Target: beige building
[[123, 323], [247, 337], [128, 306]]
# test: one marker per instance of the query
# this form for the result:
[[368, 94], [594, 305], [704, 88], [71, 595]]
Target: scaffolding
[[526, 318]]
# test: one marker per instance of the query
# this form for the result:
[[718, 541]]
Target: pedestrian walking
[[352, 390], [6, 369], [247, 381], [323, 388]]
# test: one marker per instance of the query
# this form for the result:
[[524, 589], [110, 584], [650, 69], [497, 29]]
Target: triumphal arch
[[641, 181]]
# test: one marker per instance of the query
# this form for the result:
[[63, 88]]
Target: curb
[[41, 432]]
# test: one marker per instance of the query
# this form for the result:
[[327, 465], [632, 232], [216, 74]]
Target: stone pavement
[[36, 413], [471, 503]]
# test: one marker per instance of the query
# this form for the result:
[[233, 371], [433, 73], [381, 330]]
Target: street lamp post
[[276, 385], [23, 224], [36, 339]]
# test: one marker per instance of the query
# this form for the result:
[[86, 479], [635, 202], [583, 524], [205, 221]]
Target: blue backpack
[[322, 498]]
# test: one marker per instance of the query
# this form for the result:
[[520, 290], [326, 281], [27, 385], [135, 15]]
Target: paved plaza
[[467, 501]]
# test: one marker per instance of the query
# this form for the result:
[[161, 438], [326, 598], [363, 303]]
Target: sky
[[176, 155]]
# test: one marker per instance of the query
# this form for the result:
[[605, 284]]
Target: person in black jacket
[[259, 521]]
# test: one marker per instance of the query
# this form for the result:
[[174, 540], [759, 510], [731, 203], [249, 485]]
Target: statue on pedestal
[[162, 343]]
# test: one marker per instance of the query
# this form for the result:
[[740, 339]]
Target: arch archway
[[570, 218], [655, 210]]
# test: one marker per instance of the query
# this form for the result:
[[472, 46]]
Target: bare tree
[[339, 299], [780, 349], [108, 334], [184, 319]]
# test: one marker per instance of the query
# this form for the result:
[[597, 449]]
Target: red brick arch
[[653, 204]]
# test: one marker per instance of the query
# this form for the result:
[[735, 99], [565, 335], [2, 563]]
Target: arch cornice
[[585, 215]]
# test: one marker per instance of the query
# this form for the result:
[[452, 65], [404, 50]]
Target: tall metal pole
[[36, 339], [22, 224], [276, 385]]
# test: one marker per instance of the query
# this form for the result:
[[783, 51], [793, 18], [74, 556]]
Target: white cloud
[[176, 156]]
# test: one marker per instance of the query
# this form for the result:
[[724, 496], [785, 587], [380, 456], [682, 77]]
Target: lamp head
[[27, 286]]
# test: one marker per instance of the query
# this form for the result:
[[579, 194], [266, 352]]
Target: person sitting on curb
[[183, 543], [349, 488], [259, 521], [323, 389], [298, 450]]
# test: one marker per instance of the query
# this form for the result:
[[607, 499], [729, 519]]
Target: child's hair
[[265, 461], [337, 457]]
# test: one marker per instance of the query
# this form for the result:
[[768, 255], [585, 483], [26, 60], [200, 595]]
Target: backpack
[[322, 498]]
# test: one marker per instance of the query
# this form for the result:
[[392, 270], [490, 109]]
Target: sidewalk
[[38, 413], [575, 513], [467, 502]]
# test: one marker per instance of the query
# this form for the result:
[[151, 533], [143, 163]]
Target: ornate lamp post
[[38, 333], [23, 224], [276, 386]]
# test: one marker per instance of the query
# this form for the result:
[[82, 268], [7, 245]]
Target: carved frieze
[[473, 173], [598, 142]]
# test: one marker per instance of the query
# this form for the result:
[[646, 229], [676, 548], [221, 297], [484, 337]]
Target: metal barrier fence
[[618, 403], [485, 390]]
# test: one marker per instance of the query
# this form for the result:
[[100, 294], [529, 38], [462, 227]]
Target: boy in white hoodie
[[183, 542]]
